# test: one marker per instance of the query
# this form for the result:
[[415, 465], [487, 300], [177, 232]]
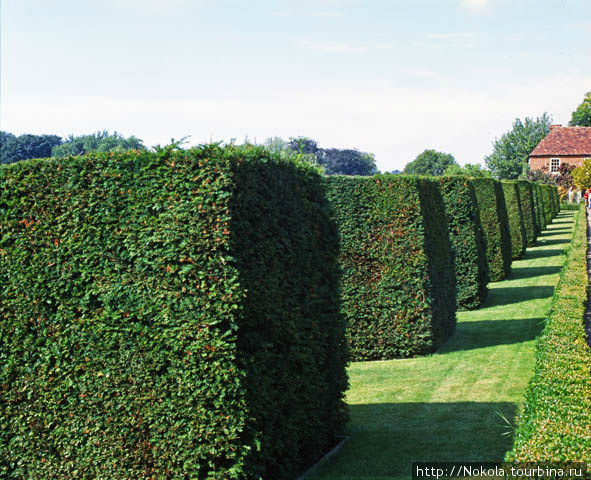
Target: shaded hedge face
[[528, 210], [495, 223], [539, 204], [134, 342], [398, 284], [467, 240], [547, 202], [516, 222]]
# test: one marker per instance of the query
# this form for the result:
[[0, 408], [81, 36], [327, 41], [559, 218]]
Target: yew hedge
[[467, 240], [495, 224], [398, 289], [167, 315], [515, 216], [528, 209]]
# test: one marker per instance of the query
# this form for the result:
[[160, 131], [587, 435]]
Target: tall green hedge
[[516, 221], [528, 210], [557, 198], [539, 204], [167, 315], [547, 203], [398, 289], [495, 223], [467, 240], [555, 422]]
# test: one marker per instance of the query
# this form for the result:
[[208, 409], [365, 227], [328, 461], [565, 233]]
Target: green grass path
[[454, 405]]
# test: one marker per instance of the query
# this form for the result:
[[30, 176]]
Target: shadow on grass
[[551, 252], [555, 231], [528, 272], [490, 333], [507, 295], [547, 241], [387, 437]]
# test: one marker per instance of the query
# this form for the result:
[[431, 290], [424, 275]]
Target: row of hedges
[[526, 197], [548, 203], [555, 423], [467, 240], [172, 315], [398, 289], [539, 205], [515, 215], [495, 223]]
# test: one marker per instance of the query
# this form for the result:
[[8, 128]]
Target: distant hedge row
[[398, 288], [528, 209], [172, 315], [548, 203], [467, 240], [516, 219], [539, 205], [495, 223], [555, 422]]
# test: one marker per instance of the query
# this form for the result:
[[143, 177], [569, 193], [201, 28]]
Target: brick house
[[562, 145]]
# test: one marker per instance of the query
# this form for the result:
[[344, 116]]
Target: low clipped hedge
[[467, 240], [398, 289], [547, 203], [539, 204], [555, 422], [495, 224], [167, 315], [516, 221], [528, 209]]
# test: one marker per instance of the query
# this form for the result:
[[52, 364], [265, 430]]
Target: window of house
[[554, 165]]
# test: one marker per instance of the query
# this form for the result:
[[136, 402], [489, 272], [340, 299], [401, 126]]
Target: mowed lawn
[[460, 403]]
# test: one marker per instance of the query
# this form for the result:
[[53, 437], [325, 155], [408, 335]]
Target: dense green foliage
[[334, 161], [539, 206], [547, 202], [555, 422], [430, 162], [495, 224], [167, 315], [529, 213], [516, 221], [97, 142], [468, 170], [13, 148], [467, 240], [582, 175], [398, 289], [510, 152], [581, 117]]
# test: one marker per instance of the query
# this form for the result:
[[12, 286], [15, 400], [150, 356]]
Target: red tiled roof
[[564, 141]]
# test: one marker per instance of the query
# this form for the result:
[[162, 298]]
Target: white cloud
[[475, 5], [308, 14], [393, 122], [340, 47], [451, 36]]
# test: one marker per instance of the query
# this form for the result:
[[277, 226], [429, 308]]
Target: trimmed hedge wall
[[555, 422], [528, 210], [495, 223], [539, 204], [167, 315], [398, 290], [516, 222], [547, 203], [467, 240]]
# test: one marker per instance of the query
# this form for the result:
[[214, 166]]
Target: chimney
[[554, 127]]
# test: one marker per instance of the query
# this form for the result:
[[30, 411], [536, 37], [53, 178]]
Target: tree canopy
[[430, 162], [97, 142], [334, 161], [582, 175], [509, 157], [581, 117], [469, 170], [13, 148]]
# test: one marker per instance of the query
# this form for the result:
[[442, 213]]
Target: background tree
[[430, 162], [303, 145], [346, 162], [582, 115], [582, 175], [509, 157], [13, 148], [97, 142], [469, 170]]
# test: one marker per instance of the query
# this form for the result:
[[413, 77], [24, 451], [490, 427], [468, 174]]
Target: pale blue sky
[[389, 77]]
